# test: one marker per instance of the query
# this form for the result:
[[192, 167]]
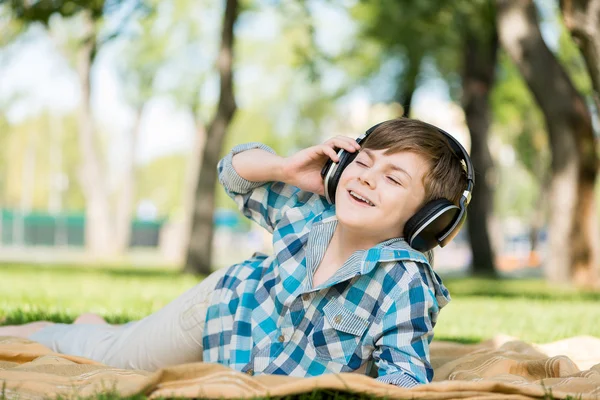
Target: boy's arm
[[402, 348], [251, 175], [233, 182]]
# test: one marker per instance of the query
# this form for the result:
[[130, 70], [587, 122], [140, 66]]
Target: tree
[[99, 230], [519, 123], [436, 32], [479, 65], [199, 256], [573, 228], [142, 59], [408, 33], [582, 18]]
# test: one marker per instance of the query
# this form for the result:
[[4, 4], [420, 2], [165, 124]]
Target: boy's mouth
[[359, 199]]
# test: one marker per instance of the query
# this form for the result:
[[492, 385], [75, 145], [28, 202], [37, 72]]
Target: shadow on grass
[[19, 317], [316, 394], [585, 296], [457, 339]]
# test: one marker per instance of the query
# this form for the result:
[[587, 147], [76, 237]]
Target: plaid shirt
[[265, 317]]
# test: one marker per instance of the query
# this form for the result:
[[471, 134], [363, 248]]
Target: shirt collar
[[391, 250]]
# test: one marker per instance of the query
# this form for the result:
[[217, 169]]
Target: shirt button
[[250, 372], [281, 338], [306, 297], [337, 319]]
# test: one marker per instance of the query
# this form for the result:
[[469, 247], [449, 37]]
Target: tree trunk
[[126, 199], [98, 227], [573, 228], [408, 82], [189, 189], [478, 78], [582, 18], [199, 256]]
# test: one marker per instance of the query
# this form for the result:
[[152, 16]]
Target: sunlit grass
[[60, 294], [531, 310]]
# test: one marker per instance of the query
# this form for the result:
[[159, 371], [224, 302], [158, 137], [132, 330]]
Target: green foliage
[[570, 57], [413, 33], [143, 54], [161, 181], [187, 47], [249, 125], [517, 193], [519, 124], [10, 27], [32, 143], [42, 11]]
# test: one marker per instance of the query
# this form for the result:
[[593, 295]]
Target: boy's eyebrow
[[370, 154]]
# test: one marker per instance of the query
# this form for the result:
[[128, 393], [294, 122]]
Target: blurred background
[[113, 115]]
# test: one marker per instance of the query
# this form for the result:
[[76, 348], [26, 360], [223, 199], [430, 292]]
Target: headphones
[[438, 221]]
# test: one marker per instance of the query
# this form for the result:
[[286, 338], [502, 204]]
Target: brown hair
[[446, 177]]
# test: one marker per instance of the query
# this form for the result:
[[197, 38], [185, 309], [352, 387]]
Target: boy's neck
[[344, 241]]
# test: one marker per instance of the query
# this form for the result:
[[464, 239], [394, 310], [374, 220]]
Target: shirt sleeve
[[402, 348], [262, 202]]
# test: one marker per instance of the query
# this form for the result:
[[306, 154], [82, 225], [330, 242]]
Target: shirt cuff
[[400, 379], [229, 177]]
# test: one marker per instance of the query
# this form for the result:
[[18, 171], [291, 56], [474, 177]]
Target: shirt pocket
[[338, 333]]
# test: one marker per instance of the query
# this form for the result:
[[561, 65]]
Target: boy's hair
[[446, 178]]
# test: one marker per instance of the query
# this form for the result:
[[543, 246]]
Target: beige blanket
[[501, 368]]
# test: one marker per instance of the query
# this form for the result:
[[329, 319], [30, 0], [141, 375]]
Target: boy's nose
[[367, 178]]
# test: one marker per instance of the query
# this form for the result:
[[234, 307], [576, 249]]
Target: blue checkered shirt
[[375, 315]]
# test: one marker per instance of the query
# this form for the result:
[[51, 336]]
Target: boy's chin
[[353, 220]]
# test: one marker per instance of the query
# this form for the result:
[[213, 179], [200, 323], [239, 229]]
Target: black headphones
[[438, 221]]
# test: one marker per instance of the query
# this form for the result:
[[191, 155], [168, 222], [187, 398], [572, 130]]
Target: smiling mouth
[[359, 199]]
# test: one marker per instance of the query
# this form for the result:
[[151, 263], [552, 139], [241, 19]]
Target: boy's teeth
[[361, 198]]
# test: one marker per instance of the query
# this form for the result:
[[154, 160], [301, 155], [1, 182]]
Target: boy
[[343, 292]]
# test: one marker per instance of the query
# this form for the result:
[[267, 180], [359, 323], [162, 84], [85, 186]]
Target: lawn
[[528, 309], [481, 308]]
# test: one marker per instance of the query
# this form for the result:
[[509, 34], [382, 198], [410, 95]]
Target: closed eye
[[395, 181], [362, 164]]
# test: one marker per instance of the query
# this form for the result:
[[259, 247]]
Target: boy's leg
[[24, 330], [28, 329], [172, 335]]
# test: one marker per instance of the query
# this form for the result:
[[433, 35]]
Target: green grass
[[60, 294], [531, 310], [481, 308]]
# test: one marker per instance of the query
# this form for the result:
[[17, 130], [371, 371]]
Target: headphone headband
[[455, 145]]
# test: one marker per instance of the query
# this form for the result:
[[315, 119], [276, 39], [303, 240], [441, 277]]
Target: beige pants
[[170, 336]]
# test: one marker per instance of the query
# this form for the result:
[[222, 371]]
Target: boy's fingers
[[330, 152], [343, 142]]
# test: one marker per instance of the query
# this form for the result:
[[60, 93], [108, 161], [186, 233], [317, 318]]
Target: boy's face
[[393, 187]]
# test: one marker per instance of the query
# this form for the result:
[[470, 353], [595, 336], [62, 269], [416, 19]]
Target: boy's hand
[[303, 169]]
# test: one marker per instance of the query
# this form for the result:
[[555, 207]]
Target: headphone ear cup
[[345, 159], [421, 231]]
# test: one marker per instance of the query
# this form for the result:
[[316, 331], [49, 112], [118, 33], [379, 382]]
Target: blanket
[[500, 368]]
